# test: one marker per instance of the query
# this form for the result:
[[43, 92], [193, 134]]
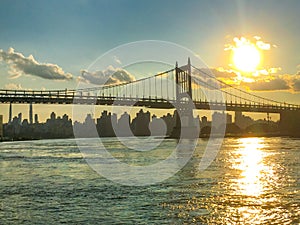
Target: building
[[158, 127], [221, 119], [20, 118], [140, 124], [242, 121], [106, 124], [124, 126], [1, 126], [36, 118], [170, 122], [205, 122]]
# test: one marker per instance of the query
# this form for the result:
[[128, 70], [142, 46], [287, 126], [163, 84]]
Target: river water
[[251, 181]]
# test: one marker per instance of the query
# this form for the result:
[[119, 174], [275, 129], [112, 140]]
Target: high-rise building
[[20, 118], [242, 121], [1, 126], [30, 114], [140, 124], [170, 122], [124, 125], [52, 116], [158, 127], [218, 119], [36, 118], [204, 121], [106, 124]]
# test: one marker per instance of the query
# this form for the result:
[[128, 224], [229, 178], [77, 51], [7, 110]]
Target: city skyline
[[221, 32], [149, 112], [110, 124]]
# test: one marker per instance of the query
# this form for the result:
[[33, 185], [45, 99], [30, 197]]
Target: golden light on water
[[254, 171]]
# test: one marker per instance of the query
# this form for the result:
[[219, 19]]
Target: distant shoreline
[[201, 137]]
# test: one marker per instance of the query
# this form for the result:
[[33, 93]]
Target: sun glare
[[246, 57]]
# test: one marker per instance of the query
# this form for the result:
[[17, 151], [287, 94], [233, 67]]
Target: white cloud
[[13, 86], [273, 70], [19, 65], [262, 45], [117, 60], [109, 76], [242, 41]]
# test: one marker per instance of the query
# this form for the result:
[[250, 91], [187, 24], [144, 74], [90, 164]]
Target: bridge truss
[[162, 90]]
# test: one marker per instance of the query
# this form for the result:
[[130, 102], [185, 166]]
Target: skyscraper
[[36, 118], [1, 126]]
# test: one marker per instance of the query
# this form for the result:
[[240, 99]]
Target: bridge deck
[[59, 97]]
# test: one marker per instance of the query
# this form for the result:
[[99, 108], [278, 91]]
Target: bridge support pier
[[10, 113], [290, 123], [185, 126], [30, 114]]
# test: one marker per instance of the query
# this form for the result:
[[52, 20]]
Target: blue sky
[[73, 33]]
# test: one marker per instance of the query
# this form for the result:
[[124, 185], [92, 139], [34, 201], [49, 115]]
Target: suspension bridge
[[178, 86]]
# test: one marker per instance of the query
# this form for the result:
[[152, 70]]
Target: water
[[252, 181]]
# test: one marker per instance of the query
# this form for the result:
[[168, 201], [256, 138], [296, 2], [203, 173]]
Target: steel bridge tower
[[184, 119]]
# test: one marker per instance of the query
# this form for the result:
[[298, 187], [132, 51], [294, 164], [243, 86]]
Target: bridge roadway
[[71, 97]]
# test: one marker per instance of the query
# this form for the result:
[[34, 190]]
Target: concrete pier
[[290, 123]]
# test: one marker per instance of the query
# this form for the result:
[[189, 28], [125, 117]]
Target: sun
[[246, 57]]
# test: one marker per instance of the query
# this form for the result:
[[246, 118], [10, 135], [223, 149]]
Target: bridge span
[[171, 89]]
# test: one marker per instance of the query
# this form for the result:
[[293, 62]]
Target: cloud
[[117, 60], [205, 77], [277, 84], [296, 85], [261, 80], [217, 72], [223, 73], [273, 70], [19, 65], [109, 76], [262, 45], [255, 41], [13, 86]]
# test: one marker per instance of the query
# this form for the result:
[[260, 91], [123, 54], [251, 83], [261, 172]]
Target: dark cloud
[[223, 73], [296, 85], [19, 64], [109, 76], [216, 72], [268, 81], [271, 85]]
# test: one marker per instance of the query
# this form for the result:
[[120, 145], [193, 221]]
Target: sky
[[47, 44]]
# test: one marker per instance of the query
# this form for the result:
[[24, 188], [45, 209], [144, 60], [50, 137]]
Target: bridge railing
[[157, 89], [70, 95]]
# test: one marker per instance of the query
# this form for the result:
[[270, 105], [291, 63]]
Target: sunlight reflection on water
[[249, 183], [255, 173], [252, 181]]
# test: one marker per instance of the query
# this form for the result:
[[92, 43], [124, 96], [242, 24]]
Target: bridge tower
[[184, 120], [183, 81]]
